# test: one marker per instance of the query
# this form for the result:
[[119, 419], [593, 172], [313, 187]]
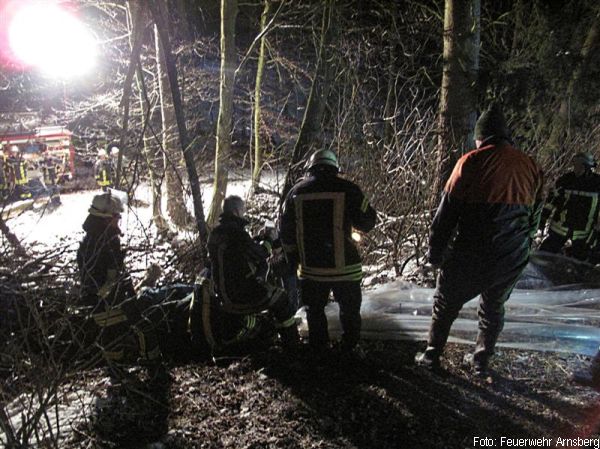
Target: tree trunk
[[146, 110], [258, 151], [308, 137], [170, 143], [224, 121], [137, 33], [159, 18], [11, 238], [458, 94], [569, 105]]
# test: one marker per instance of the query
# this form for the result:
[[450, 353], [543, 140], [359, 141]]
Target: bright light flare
[[356, 236], [43, 35]]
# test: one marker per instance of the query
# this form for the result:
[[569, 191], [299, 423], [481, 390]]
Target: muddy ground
[[272, 400]]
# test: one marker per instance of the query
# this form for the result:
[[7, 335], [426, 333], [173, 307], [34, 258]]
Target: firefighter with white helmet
[[103, 170], [318, 217], [107, 288]]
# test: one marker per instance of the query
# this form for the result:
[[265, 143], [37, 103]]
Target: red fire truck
[[48, 141]]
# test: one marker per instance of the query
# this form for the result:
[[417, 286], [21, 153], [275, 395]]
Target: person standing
[[19, 169], [3, 175], [318, 216], [572, 209], [49, 170], [492, 201], [106, 287], [103, 171]]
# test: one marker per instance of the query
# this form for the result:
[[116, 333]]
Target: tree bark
[[170, 143], [258, 150], [146, 110], [11, 238], [224, 121], [458, 94], [317, 100], [159, 18], [137, 33], [570, 102]]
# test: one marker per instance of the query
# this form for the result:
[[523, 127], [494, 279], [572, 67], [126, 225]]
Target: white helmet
[[114, 150], [14, 149], [105, 205], [102, 152]]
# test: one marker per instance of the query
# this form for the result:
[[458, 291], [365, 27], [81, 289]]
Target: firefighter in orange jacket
[[318, 216], [493, 202]]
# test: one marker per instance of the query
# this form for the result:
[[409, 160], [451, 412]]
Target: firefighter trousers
[[127, 330], [315, 296], [462, 278]]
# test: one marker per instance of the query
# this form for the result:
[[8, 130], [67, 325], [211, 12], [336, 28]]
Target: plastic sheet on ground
[[564, 316]]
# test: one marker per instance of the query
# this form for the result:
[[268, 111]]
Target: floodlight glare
[[44, 35]]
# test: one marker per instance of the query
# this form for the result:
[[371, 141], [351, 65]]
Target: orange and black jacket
[[493, 202], [573, 205], [316, 225]]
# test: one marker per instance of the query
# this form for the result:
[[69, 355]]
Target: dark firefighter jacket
[[318, 216], [238, 264], [3, 174], [19, 171], [100, 259], [573, 205], [103, 171], [492, 199]]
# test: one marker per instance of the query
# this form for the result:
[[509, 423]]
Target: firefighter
[[3, 175], [316, 225], [239, 272], [49, 169], [103, 170], [19, 169], [492, 202], [572, 209], [125, 332]]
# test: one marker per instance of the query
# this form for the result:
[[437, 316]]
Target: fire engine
[[47, 141]]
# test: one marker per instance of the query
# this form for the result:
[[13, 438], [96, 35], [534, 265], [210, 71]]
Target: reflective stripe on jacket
[[573, 205], [103, 173], [316, 225]]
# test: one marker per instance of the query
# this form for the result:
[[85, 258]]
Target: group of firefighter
[[15, 179], [480, 240]]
